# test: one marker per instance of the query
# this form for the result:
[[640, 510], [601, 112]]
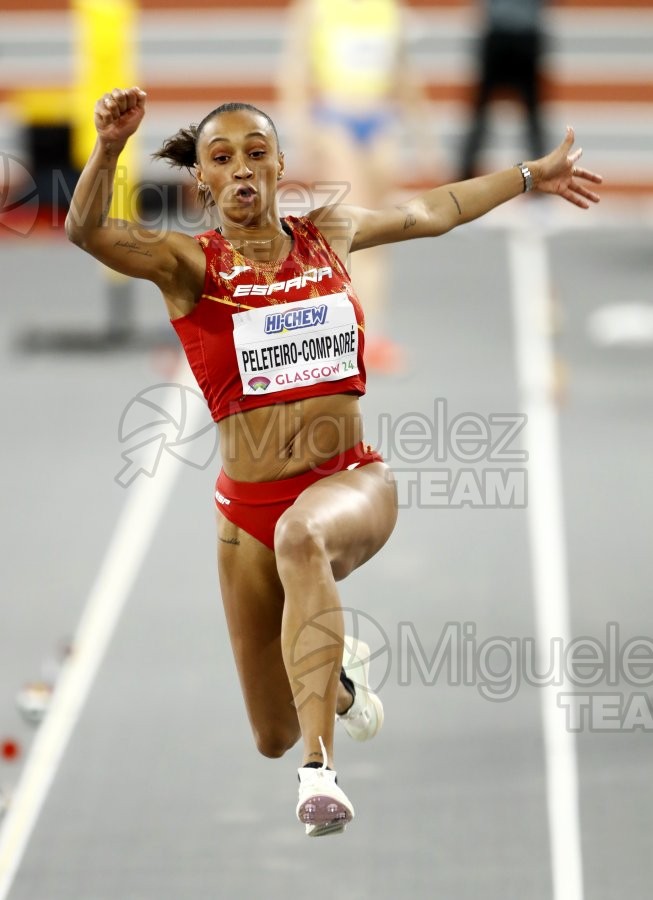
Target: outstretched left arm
[[445, 207]]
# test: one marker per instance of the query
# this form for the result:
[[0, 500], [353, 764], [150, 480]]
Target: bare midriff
[[287, 439]]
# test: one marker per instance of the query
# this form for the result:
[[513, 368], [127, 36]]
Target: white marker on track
[[145, 502], [531, 295]]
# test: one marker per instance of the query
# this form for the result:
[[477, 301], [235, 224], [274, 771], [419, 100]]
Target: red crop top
[[264, 333]]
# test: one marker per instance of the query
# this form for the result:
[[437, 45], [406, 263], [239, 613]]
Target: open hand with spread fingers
[[559, 173]]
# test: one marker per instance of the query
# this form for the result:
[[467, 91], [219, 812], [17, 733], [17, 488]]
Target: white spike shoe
[[364, 718], [323, 807]]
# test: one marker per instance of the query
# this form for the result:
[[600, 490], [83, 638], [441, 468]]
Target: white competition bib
[[296, 344]]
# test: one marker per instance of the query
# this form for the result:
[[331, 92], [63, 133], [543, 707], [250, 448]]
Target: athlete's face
[[239, 160]]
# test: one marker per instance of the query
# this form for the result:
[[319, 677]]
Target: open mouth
[[245, 193]]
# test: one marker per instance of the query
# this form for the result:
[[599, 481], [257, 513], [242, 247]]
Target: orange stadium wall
[[616, 102]]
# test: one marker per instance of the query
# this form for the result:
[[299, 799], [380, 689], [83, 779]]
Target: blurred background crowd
[[374, 99], [459, 85]]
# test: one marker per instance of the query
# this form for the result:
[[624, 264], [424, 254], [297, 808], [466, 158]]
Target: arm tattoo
[[132, 247], [410, 218], [455, 200]]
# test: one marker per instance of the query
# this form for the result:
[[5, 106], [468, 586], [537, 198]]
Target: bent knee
[[274, 744], [297, 537]]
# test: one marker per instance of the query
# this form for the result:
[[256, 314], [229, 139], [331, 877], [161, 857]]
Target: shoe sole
[[324, 812]]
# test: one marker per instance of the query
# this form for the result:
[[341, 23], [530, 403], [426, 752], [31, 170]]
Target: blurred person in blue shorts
[[345, 82]]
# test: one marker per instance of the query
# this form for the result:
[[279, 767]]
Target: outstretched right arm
[[160, 257]]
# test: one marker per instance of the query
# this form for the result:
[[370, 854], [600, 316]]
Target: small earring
[[201, 186], [279, 176]]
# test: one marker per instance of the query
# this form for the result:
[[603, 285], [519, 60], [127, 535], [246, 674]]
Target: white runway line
[[144, 504], [531, 294]]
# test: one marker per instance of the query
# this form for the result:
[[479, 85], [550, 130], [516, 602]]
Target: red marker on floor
[[10, 750]]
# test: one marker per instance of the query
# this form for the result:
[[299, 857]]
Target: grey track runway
[[160, 794]]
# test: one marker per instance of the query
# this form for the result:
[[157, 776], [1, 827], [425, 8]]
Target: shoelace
[[325, 761]]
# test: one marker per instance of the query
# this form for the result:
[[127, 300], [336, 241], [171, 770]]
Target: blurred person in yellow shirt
[[345, 82]]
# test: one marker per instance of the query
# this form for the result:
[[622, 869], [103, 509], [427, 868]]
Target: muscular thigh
[[354, 512]]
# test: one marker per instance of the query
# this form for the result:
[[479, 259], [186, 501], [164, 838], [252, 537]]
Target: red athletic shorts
[[255, 506]]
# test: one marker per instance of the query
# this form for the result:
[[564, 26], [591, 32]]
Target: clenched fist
[[118, 114]]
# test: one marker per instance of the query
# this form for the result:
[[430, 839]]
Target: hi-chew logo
[[292, 319]]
